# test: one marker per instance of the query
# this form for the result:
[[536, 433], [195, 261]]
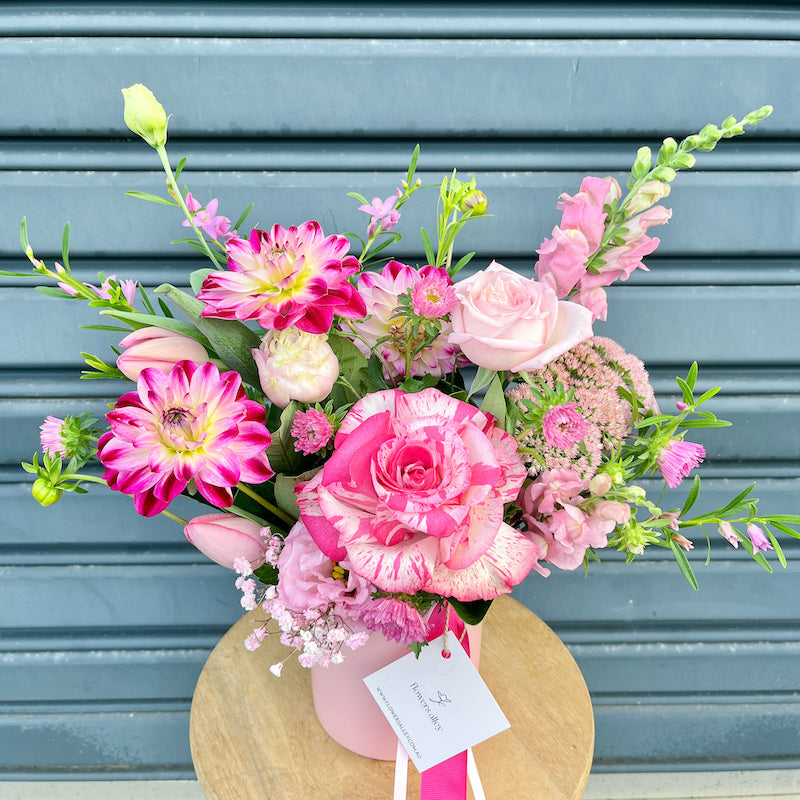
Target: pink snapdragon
[[285, 276], [382, 213], [191, 424], [205, 218], [564, 426], [386, 335], [677, 458], [312, 431], [414, 494]]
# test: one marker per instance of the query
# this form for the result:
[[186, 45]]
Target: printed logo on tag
[[437, 706]]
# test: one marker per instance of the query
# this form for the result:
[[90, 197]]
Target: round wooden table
[[255, 737]]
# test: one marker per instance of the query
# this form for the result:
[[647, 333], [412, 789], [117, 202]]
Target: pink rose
[[507, 322], [226, 537], [414, 495], [159, 348], [306, 578]]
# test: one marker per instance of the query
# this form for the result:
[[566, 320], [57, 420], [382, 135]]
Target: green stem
[[174, 517], [245, 489], [76, 476], [176, 192]]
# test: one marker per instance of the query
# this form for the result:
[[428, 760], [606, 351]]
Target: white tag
[[437, 706]]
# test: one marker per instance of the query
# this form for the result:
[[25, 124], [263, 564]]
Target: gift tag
[[437, 706]]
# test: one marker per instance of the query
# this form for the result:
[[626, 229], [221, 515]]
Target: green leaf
[[352, 362], [472, 612], [243, 216], [412, 167], [284, 491], [785, 529], [267, 574], [683, 563], [360, 197], [138, 320], [705, 423], [778, 550], [281, 453], [52, 291], [179, 168], [232, 341], [727, 510], [691, 377], [426, 243], [461, 263], [65, 247], [483, 377], [151, 198], [23, 235], [686, 390], [693, 492], [708, 395], [786, 519], [494, 401]]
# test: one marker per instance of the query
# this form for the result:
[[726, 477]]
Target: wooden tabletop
[[255, 737]]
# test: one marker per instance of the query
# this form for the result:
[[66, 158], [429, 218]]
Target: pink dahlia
[[677, 459], [385, 334], [191, 424], [286, 276], [414, 494]]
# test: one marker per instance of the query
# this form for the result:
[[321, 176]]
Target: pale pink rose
[[226, 537], [507, 322], [414, 495], [306, 578], [295, 365], [159, 348]]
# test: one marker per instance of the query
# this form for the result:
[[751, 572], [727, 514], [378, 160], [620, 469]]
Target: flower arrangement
[[375, 440]]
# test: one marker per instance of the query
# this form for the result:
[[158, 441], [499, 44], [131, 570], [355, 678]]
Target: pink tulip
[[225, 537], [159, 348]]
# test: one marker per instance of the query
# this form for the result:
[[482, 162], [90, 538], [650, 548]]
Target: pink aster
[[383, 213], [677, 459], [433, 294], [564, 426], [51, 436], [395, 619], [312, 429], [759, 540], [285, 276], [191, 424]]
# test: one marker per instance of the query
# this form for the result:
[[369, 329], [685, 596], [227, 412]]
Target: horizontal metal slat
[[519, 77]]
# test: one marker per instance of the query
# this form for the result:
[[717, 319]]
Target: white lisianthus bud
[[295, 365], [144, 115], [648, 194]]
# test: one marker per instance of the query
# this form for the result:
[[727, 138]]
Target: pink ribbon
[[448, 780]]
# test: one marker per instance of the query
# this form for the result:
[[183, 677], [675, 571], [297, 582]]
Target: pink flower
[[306, 578], [558, 487], [159, 348], [295, 365], [433, 294], [563, 426], [382, 212], [507, 322], [381, 292], [287, 276], [414, 495], [217, 227], [682, 541], [224, 538], [312, 430], [677, 459], [395, 619], [192, 424], [759, 540], [51, 436], [128, 288], [727, 531]]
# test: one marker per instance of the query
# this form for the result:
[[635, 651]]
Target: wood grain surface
[[255, 737]]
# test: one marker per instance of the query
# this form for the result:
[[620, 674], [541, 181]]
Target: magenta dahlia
[[286, 276], [191, 424]]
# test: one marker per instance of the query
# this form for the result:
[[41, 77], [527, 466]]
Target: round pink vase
[[344, 706]]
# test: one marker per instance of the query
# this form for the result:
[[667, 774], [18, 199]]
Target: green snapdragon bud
[[44, 493], [144, 115]]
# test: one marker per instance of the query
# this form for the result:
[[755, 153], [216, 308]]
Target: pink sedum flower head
[[159, 348], [677, 459], [285, 276], [189, 425], [295, 365], [312, 430], [414, 494], [505, 321], [225, 538], [381, 291]]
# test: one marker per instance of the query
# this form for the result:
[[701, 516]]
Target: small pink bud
[[159, 348], [225, 538], [600, 483]]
